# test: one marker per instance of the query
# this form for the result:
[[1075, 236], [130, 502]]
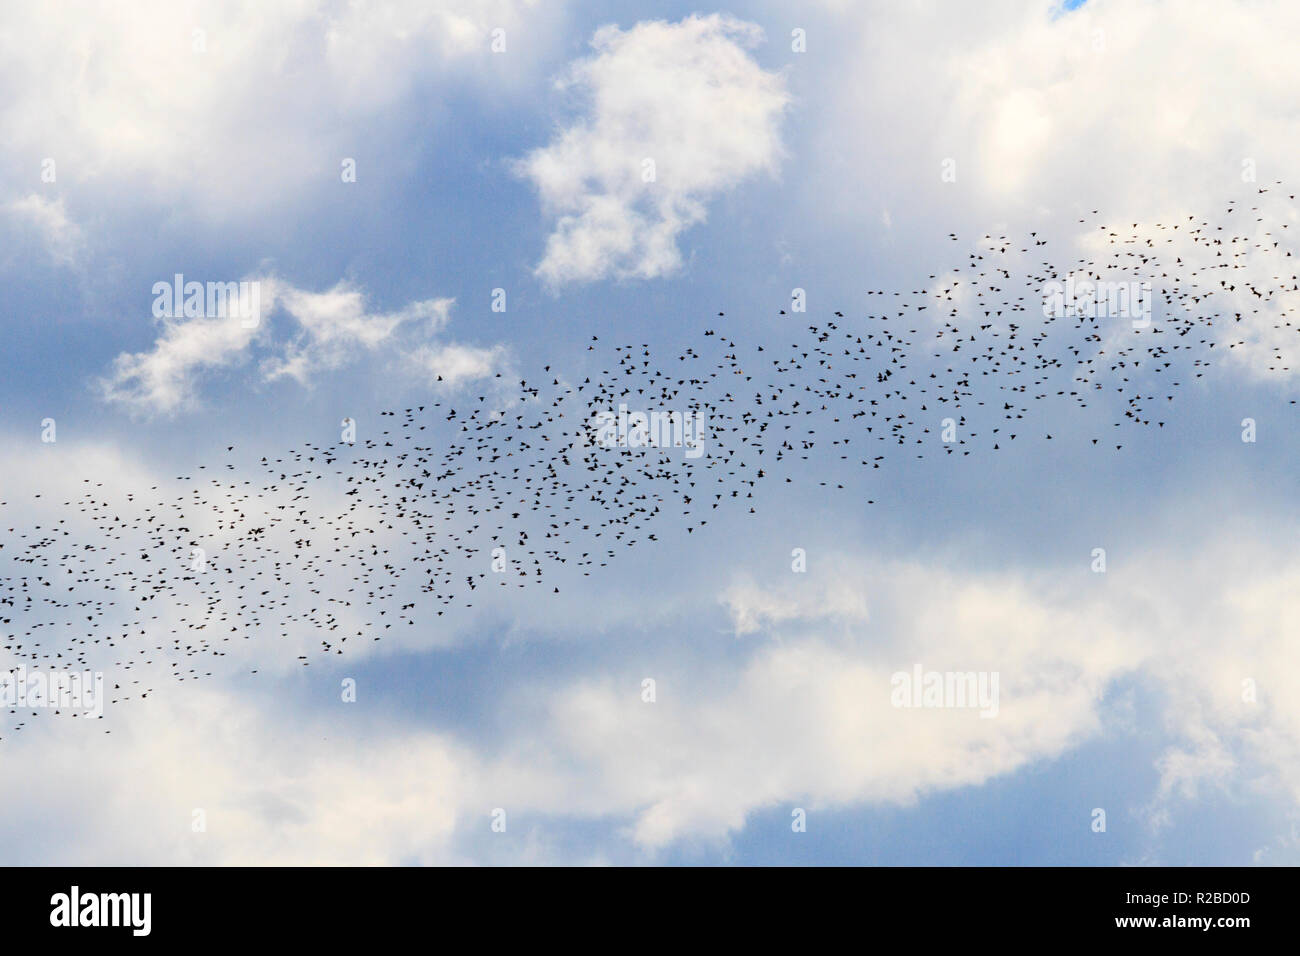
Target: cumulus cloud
[[222, 106], [1020, 115], [330, 329], [808, 719], [1009, 91], [805, 720], [804, 717], [675, 113]]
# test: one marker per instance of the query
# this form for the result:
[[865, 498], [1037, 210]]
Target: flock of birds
[[515, 487]]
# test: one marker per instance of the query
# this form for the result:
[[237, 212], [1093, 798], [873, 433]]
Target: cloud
[[1009, 91], [753, 607], [985, 111], [334, 325], [675, 113], [799, 711], [225, 106], [164, 379], [454, 364], [802, 716], [331, 329], [808, 719], [62, 238], [259, 795]]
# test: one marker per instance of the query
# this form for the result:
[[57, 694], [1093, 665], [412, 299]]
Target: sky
[[388, 172]]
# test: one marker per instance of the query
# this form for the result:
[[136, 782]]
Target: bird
[[548, 479]]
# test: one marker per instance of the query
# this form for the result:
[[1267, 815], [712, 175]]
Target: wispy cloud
[[61, 237], [335, 325], [331, 329]]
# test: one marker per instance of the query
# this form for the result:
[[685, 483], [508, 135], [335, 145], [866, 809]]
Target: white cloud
[[686, 97], [220, 106], [454, 364], [331, 329], [61, 236], [1203, 629], [803, 719], [1043, 112], [1047, 115], [164, 379], [753, 607], [334, 325], [808, 720], [804, 715], [267, 797]]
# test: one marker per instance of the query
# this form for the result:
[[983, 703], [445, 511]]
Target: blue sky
[[218, 156]]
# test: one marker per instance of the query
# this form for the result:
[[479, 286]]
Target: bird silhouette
[[517, 488]]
